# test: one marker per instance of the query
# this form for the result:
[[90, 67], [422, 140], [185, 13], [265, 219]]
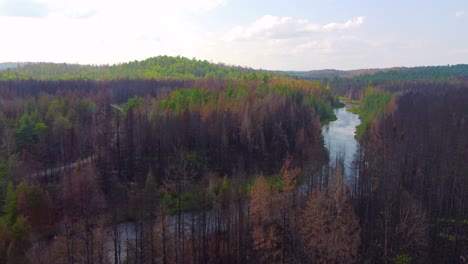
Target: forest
[[172, 160], [160, 67]]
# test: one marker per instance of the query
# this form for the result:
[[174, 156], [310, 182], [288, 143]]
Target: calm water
[[339, 138]]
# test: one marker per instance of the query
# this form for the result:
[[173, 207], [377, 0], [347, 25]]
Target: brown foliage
[[330, 227], [261, 201], [267, 240], [266, 235]]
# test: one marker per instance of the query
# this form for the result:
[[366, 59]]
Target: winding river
[[339, 138]]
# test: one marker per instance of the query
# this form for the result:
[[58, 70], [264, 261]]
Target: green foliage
[[183, 99], [10, 208], [339, 104], [82, 109], [186, 201], [402, 259], [428, 73], [132, 103], [236, 94], [20, 243], [265, 79], [56, 107], [275, 182], [193, 159], [40, 128], [446, 236], [323, 109], [25, 132], [230, 91], [225, 184], [299, 91], [62, 123], [153, 68], [20, 228], [372, 106]]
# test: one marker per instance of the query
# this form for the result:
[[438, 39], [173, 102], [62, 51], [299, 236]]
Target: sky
[[266, 34]]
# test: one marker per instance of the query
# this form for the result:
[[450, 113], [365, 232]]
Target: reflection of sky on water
[[339, 137]]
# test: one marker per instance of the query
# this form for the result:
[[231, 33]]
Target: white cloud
[[355, 22], [323, 47], [461, 14], [273, 27]]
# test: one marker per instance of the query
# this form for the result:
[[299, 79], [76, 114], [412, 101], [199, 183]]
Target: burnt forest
[[176, 160]]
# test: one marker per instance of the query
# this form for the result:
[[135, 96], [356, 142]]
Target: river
[[339, 138]]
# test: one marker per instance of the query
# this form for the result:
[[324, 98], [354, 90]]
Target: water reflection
[[339, 137]]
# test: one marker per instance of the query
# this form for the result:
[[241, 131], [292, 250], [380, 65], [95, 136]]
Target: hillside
[[389, 74], [160, 67], [167, 67]]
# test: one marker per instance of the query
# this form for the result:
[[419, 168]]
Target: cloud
[[273, 27], [324, 46], [105, 31], [461, 14], [22, 8], [355, 22]]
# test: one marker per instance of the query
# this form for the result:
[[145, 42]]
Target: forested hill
[[152, 68], [167, 67], [426, 73]]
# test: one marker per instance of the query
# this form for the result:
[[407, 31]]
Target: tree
[[25, 132], [259, 204], [20, 241], [330, 227], [83, 201], [412, 229], [10, 208], [34, 204], [266, 232], [4, 172], [151, 198], [61, 125], [288, 208]]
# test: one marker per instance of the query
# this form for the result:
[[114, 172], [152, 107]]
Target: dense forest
[[171, 160], [152, 68], [412, 166], [424, 73]]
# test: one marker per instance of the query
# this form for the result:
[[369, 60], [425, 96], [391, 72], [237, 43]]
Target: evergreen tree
[[10, 208]]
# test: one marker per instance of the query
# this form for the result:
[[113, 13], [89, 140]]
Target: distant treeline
[[168, 67], [161, 67], [424, 73]]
